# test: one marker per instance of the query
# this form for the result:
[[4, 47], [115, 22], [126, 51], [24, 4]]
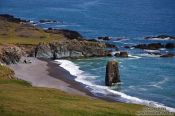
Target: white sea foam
[[152, 51], [103, 91], [164, 39], [134, 57], [149, 55], [158, 84]]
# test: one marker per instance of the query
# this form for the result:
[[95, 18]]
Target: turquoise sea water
[[143, 76]]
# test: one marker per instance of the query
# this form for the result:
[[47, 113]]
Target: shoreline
[[47, 73], [109, 94]]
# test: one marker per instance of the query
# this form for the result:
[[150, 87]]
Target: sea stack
[[112, 73]]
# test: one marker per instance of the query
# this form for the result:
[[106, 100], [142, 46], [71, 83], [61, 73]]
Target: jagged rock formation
[[112, 73], [10, 54]]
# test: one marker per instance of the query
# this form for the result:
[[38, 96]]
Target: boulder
[[121, 54], [112, 73]]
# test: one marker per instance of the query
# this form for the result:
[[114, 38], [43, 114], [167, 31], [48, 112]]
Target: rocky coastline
[[71, 45]]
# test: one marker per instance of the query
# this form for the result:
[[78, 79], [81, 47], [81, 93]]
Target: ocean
[[146, 79]]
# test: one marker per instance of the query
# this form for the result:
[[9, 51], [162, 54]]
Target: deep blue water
[[146, 77], [128, 18]]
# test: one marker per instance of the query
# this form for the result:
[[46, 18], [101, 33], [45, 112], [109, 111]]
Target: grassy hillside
[[18, 97], [17, 33]]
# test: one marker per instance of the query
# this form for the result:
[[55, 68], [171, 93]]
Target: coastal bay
[[65, 48]]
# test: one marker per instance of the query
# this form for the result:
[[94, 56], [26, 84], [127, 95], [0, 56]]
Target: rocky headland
[[50, 43]]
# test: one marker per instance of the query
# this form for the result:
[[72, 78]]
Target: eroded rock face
[[70, 49], [10, 55], [112, 73]]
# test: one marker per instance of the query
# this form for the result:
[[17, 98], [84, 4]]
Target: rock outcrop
[[70, 49], [10, 55], [112, 73]]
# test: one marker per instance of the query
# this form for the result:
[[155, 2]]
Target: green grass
[[19, 98]]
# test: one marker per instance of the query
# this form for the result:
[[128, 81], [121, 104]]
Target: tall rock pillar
[[112, 73]]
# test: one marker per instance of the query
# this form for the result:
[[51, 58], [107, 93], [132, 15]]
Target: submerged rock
[[168, 55], [170, 45], [112, 73]]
